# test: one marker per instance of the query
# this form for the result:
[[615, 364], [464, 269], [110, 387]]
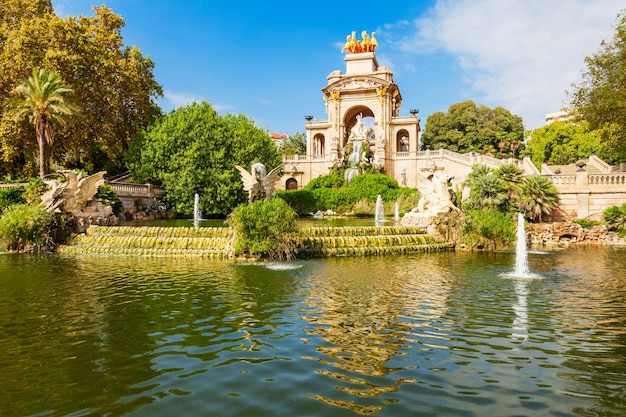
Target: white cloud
[[172, 100], [520, 54]]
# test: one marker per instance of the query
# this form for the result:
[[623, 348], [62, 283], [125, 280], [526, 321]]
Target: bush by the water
[[615, 218], [329, 192], [488, 229], [25, 225], [11, 196], [107, 196], [265, 228]]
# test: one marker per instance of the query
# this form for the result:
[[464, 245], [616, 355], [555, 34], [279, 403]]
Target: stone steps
[[218, 242]]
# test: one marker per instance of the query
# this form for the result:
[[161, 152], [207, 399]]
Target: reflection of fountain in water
[[520, 323], [379, 215]]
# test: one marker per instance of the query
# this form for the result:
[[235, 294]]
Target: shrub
[[265, 228], [35, 188], [23, 225], [326, 181], [615, 218], [302, 201], [10, 197], [107, 196], [488, 229], [370, 186], [586, 222]]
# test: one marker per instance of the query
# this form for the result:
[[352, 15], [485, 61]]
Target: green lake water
[[443, 334]]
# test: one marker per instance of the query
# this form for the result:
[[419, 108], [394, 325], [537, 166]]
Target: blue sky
[[269, 60]]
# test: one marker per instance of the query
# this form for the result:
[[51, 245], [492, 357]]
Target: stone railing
[[136, 190], [562, 180], [403, 155], [584, 181], [295, 158], [607, 179]]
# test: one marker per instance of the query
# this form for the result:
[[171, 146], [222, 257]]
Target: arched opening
[[318, 145], [352, 117], [291, 184], [402, 141]]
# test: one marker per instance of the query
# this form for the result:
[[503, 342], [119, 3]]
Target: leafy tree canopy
[[112, 82], [294, 145], [564, 142], [469, 127], [194, 149], [601, 96]]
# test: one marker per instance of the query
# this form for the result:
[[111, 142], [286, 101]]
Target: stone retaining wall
[[568, 233]]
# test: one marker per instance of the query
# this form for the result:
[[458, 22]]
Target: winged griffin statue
[[434, 196], [258, 182], [73, 194]]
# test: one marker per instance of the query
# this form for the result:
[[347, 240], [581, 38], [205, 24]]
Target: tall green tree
[[601, 96], [194, 149], [113, 83], [42, 100], [469, 127], [564, 142]]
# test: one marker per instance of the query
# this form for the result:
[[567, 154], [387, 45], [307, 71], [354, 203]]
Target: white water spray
[[521, 254], [380, 210], [197, 215]]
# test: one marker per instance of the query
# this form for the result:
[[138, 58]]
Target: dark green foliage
[[23, 225], [538, 196], [487, 190], [326, 181], [506, 190], [35, 188], [194, 149], [586, 222], [265, 228], [302, 201], [488, 229], [615, 218], [467, 127], [372, 185], [11, 196], [601, 96], [107, 196], [329, 192]]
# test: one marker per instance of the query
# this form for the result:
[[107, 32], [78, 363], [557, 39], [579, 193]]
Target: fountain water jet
[[197, 214], [521, 254], [396, 212], [379, 215]]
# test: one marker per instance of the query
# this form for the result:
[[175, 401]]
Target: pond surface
[[429, 335]]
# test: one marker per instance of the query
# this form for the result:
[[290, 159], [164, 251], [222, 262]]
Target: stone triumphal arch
[[362, 104]]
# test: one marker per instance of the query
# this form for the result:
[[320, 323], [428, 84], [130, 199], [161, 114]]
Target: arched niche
[[291, 184], [350, 119], [402, 141], [319, 143]]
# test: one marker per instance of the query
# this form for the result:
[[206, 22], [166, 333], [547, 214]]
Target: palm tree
[[538, 196], [512, 176], [488, 192], [42, 101]]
